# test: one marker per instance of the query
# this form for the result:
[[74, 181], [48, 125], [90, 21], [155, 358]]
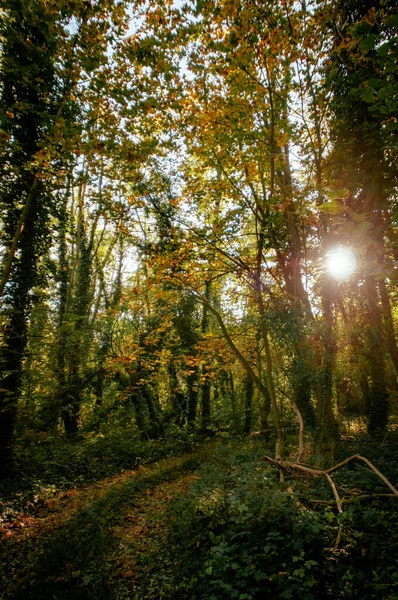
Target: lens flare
[[341, 263]]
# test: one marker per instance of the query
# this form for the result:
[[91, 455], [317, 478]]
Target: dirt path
[[102, 531], [53, 512], [143, 530]]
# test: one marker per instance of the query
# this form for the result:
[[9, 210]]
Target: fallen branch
[[371, 466], [335, 492], [289, 466]]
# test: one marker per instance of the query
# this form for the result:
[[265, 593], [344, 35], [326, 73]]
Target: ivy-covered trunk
[[377, 406], [178, 399], [77, 338], [205, 387], [27, 107], [326, 425], [365, 157], [105, 343], [248, 392], [12, 354], [63, 276]]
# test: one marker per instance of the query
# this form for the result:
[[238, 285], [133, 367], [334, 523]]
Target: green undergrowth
[[45, 460], [240, 533], [233, 531]]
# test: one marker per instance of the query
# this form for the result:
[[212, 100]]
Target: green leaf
[[391, 126], [362, 28], [374, 83], [368, 42], [383, 92], [333, 208], [384, 49], [367, 95]]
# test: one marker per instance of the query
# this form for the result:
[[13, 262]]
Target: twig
[[301, 431], [51, 462], [339, 508]]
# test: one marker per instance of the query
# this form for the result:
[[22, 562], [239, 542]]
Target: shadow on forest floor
[[80, 545]]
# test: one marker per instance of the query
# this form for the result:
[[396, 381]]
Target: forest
[[198, 299]]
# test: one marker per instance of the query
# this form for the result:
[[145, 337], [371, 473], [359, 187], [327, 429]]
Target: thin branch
[[335, 492]]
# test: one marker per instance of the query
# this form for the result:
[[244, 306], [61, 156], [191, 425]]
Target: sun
[[341, 263]]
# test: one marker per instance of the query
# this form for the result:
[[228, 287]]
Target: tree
[[30, 100], [360, 76]]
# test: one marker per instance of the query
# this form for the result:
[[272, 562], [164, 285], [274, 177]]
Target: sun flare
[[341, 263]]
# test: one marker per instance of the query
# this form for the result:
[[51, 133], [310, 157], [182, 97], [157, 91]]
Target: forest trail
[[116, 522], [53, 512]]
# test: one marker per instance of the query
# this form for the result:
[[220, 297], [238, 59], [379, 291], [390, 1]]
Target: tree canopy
[[174, 178]]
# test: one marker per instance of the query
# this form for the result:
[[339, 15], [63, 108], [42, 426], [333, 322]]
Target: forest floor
[[215, 523], [111, 525]]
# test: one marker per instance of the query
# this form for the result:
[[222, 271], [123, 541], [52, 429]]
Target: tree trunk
[[177, 397], [326, 426], [23, 66], [192, 397], [155, 427], [378, 393], [232, 395], [248, 391], [206, 385], [106, 336], [389, 332]]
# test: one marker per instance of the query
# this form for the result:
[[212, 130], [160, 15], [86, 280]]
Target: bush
[[240, 534]]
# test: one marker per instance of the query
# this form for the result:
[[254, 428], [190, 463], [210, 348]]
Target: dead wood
[[291, 467]]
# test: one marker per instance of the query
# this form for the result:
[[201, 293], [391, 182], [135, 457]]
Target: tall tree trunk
[[106, 334], [177, 397], [232, 395], [63, 277], [378, 393], [137, 402], [12, 350], [206, 385], [192, 397], [248, 391], [28, 81], [77, 338], [155, 427], [391, 341], [326, 426]]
